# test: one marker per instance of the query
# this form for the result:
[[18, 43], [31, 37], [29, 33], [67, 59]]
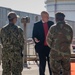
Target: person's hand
[[36, 40]]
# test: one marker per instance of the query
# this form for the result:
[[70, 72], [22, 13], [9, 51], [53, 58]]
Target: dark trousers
[[43, 56]]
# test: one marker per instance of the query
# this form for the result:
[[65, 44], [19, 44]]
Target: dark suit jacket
[[38, 32]]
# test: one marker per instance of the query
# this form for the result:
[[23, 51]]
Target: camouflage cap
[[60, 14], [12, 15]]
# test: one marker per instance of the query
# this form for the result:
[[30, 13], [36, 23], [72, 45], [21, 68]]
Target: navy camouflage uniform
[[13, 44]]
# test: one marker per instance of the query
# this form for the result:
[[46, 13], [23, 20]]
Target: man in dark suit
[[40, 30]]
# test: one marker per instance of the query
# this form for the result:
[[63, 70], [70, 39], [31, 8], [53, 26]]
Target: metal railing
[[31, 54]]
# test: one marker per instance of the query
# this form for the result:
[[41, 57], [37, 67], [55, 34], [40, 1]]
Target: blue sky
[[32, 6]]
